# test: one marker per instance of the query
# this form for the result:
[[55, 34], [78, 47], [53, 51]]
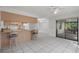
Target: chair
[[12, 40], [34, 34]]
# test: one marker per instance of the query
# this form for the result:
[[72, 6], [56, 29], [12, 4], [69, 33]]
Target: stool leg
[[12, 43]]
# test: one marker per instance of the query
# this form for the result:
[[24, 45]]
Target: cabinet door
[[5, 41]]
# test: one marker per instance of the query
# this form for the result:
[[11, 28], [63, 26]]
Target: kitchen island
[[7, 39], [23, 36]]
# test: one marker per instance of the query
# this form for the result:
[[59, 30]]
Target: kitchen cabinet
[[4, 39]]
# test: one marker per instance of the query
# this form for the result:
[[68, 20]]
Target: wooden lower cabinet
[[4, 40], [5, 43], [23, 37]]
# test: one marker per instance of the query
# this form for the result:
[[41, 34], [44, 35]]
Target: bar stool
[[12, 40], [34, 35]]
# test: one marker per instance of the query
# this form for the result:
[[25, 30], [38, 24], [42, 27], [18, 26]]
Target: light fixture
[[54, 9]]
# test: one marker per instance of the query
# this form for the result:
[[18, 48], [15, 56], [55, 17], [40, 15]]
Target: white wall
[[52, 27], [43, 25]]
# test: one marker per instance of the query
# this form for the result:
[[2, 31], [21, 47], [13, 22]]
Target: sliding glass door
[[71, 29], [60, 28], [67, 29]]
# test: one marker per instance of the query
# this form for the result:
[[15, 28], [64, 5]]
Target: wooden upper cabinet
[[11, 17]]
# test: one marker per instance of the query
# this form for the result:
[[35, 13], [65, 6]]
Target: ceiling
[[46, 11]]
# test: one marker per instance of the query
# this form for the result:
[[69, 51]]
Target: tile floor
[[44, 44]]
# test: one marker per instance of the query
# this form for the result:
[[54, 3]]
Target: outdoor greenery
[[71, 26]]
